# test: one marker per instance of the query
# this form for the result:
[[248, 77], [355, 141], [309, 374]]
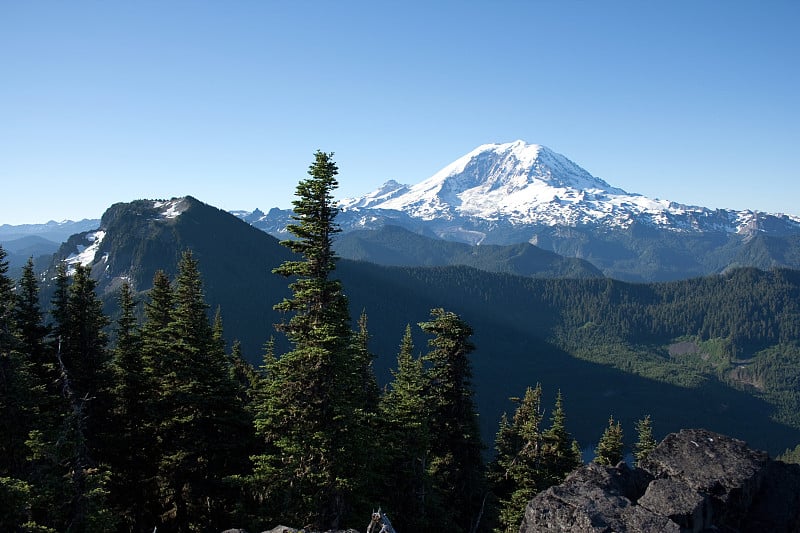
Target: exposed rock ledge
[[286, 529], [694, 481]]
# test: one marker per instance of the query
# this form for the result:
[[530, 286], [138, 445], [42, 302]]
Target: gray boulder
[[694, 481], [284, 529]]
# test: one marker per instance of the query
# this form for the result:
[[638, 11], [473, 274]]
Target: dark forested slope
[[719, 352]]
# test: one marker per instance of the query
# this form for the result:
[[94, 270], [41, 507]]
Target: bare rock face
[[694, 481], [595, 499]]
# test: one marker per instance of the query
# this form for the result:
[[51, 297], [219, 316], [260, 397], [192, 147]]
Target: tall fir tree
[[367, 394], [201, 425], [528, 458], [406, 438], [86, 480], [59, 313], [560, 452], [309, 421], [456, 464], [516, 472], [71, 485], [610, 448], [43, 487], [130, 449], [33, 333], [360, 404], [158, 316], [244, 375], [645, 442], [16, 409], [83, 352], [156, 341]]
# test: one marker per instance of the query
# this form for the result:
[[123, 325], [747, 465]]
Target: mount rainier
[[517, 192], [528, 185]]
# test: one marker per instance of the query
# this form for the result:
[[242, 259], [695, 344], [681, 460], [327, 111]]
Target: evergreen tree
[[58, 308], [406, 437], [560, 452], [367, 394], [85, 481], [130, 442], [528, 459], [645, 442], [40, 410], [201, 425], [38, 394], [33, 333], [360, 403], [156, 341], [217, 331], [516, 473], [83, 351], [308, 419], [319, 306], [16, 414], [790, 455], [15, 505], [456, 464], [244, 375], [610, 447], [158, 316], [67, 487]]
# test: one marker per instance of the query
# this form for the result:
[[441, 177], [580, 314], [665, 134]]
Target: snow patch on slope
[[85, 255], [170, 208]]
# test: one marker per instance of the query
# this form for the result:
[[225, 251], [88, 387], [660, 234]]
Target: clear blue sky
[[101, 102]]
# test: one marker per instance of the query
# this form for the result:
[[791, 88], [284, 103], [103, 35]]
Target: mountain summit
[[530, 184], [512, 180], [517, 192]]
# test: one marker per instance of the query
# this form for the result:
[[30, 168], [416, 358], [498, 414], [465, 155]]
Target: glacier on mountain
[[85, 254], [523, 184]]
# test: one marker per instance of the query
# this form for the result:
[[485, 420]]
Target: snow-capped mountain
[[517, 192], [493, 181], [522, 184]]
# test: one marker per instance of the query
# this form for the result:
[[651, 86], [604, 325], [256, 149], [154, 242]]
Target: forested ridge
[[150, 419], [740, 328]]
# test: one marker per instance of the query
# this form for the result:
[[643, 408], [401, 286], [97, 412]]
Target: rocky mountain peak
[[517, 182]]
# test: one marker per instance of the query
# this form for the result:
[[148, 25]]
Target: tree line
[[167, 428]]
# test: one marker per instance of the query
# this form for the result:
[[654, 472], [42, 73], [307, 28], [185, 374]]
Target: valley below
[[719, 351]]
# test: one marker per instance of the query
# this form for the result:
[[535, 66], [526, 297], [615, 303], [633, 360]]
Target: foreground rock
[[695, 480], [379, 523], [286, 529]]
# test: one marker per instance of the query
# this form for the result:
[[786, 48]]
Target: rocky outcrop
[[694, 481], [286, 529], [379, 523]]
